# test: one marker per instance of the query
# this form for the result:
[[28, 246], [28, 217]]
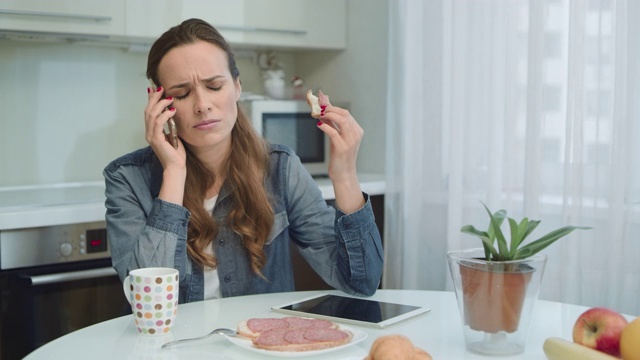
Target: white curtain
[[532, 106]]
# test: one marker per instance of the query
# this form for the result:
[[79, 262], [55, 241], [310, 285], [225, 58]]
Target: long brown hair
[[251, 215]]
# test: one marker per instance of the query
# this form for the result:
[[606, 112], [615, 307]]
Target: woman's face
[[197, 77]]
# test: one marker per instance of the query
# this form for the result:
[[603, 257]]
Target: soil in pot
[[494, 294]]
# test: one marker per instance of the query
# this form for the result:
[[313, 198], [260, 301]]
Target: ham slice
[[323, 100], [293, 333], [323, 335], [272, 338], [261, 325], [302, 339], [300, 322], [296, 336], [317, 103], [253, 327]]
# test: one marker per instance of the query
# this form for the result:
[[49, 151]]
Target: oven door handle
[[71, 276]]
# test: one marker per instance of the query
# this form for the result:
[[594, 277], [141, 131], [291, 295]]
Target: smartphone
[[170, 127], [173, 133]]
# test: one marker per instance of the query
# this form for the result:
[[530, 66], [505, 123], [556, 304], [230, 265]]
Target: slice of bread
[[313, 102], [244, 331]]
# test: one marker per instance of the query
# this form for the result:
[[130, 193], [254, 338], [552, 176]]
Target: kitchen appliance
[[55, 277], [289, 122]]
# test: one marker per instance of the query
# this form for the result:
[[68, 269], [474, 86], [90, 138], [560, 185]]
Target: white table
[[439, 332]]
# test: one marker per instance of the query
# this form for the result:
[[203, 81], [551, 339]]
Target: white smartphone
[[170, 127]]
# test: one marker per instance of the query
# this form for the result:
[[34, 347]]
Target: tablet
[[353, 310]]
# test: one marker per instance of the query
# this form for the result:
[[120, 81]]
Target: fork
[[221, 331]]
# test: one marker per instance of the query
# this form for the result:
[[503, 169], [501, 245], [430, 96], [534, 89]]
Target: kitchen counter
[[372, 184], [72, 203], [48, 205]]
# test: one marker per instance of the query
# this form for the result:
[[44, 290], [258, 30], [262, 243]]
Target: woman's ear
[[238, 89]]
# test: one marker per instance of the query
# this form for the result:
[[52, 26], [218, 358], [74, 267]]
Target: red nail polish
[[322, 107], [319, 123], [148, 90], [159, 89], [169, 98], [172, 109]]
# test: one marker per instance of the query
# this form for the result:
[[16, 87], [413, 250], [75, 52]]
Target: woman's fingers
[[345, 135], [341, 127], [156, 115]]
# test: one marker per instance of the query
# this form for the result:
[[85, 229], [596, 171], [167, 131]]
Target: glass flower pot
[[496, 299]]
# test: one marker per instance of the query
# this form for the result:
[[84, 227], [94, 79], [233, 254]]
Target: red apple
[[600, 328]]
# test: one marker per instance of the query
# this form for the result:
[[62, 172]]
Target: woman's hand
[[156, 114], [345, 136], [174, 161]]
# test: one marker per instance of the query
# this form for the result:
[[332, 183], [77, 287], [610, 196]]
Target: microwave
[[289, 122]]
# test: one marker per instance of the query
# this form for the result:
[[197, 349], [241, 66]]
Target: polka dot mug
[[153, 295]]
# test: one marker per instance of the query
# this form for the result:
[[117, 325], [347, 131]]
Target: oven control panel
[[53, 245]]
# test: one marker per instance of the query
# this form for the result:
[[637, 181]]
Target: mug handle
[[125, 288]]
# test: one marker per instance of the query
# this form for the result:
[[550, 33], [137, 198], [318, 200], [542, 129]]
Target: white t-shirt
[[211, 281]]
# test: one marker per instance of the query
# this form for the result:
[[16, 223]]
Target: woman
[[223, 206]]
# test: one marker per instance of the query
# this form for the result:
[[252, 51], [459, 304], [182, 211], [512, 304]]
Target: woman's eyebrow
[[211, 78], [177, 86], [186, 84]]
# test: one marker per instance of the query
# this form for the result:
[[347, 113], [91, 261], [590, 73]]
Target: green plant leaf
[[471, 230], [515, 235], [489, 251], [538, 245], [531, 225], [496, 221], [525, 228], [499, 216], [487, 243], [492, 234], [519, 232]]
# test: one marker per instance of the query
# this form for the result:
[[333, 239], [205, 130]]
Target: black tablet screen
[[351, 308]]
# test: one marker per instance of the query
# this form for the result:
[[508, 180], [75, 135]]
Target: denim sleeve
[[345, 250], [143, 231], [360, 247]]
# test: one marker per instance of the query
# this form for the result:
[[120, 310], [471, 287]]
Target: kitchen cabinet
[[95, 18], [296, 23], [304, 24], [146, 20], [285, 24]]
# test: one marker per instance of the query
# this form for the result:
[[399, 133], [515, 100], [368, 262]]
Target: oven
[[54, 280]]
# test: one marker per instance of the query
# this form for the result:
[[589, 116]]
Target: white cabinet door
[[297, 23], [95, 17], [247, 23], [150, 18]]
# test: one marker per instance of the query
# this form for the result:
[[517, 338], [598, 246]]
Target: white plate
[[358, 336]]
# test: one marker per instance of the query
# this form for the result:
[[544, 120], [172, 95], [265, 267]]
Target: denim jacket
[[144, 231]]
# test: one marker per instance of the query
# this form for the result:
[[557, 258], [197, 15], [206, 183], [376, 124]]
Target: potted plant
[[495, 283]]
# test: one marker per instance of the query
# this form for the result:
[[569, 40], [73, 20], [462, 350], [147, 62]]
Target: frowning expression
[[197, 76]]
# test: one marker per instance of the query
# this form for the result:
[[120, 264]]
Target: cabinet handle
[[56, 15], [71, 276], [259, 29]]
